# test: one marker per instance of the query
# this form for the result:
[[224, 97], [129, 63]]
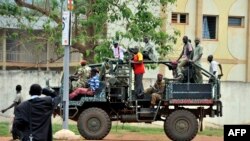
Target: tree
[[91, 19]]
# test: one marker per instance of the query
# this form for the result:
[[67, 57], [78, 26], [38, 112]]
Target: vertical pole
[[4, 48], [66, 77], [47, 54], [248, 45], [66, 87], [198, 19]]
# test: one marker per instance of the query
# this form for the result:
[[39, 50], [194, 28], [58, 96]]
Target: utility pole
[[66, 41]]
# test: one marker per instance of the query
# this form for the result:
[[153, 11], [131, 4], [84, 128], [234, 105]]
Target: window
[[174, 18], [180, 18], [236, 21], [209, 27]]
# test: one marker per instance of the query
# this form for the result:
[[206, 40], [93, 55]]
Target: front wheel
[[94, 124], [181, 125]]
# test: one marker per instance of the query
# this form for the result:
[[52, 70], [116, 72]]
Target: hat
[[95, 70], [83, 62], [174, 65], [174, 62], [146, 37], [159, 74], [197, 39], [115, 42]]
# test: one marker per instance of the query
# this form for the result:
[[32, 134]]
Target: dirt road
[[141, 137]]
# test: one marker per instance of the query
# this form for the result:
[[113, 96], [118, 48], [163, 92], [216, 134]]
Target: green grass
[[118, 129], [4, 129]]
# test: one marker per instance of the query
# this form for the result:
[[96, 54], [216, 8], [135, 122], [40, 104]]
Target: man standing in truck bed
[[139, 70], [198, 52]]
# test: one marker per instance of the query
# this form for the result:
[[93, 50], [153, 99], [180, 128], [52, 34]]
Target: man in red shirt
[[139, 70]]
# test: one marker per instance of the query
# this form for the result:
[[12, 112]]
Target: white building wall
[[235, 98], [237, 40], [190, 28], [209, 8], [9, 80]]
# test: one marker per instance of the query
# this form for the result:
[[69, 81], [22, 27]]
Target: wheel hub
[[94, 124], [181, 126]]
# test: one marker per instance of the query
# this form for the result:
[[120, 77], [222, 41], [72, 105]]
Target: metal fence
[[1, 56], [25, 57]]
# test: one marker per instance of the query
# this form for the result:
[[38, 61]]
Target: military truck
[[183, 106]]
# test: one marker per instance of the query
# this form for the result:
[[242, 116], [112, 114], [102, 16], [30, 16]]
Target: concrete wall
[[235, 98], [9, 80], [235, 95]]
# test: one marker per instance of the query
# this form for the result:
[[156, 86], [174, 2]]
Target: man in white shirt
[[118, 51], [18, 99], [213, 68]]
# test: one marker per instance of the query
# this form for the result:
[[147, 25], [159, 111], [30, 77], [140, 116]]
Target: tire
[[94, 124], [181, 125]]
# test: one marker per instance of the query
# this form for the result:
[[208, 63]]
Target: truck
[[182, 108]]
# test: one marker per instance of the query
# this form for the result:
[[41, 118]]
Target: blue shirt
[[94, 82]]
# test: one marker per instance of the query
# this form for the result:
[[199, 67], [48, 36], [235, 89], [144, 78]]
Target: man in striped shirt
[[93, 83]]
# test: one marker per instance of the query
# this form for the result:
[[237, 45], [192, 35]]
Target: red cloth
[[81, 91], [138, 68], [83, 62]]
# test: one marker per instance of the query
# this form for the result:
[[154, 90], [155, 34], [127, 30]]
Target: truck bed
[[189, 94]]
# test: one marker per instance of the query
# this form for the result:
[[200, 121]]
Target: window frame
[[216, 29], [178, 20], [242, 18]]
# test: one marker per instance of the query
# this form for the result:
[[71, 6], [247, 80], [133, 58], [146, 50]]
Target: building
[[224, 29], [16, 53]]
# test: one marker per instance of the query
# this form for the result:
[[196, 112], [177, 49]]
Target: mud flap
[[219, 109], [201, 118]]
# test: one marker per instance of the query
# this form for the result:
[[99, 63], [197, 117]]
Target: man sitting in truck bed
[[157, 90], [82, 75], [93, 83]]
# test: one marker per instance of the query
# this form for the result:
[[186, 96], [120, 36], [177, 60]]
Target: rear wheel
[[94, 124], [181, 125]]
